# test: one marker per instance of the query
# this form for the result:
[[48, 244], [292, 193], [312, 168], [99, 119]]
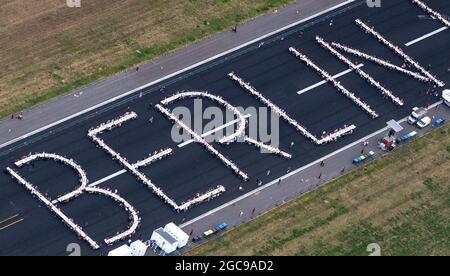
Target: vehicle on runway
[[388, 143], [407, 137], [439, 122], [417, 115], [424, 122]]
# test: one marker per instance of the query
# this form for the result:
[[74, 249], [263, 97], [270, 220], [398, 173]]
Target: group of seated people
[[399, 51], [364, 75], [68, 162], [202, 197], [111, 124], [335, 134], [240, 131], [269, 148], [134, 218], [133, 168], [155, 156], [66, 220], [199, 139], [335, 83], [432, 12], [379, 61], [281, 113]]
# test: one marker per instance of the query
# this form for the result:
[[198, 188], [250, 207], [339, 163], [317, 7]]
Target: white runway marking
[[206, 134], [96, 183], [417, 40], [343, 73]]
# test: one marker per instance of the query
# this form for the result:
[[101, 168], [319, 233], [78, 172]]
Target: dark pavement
[[274, 72]]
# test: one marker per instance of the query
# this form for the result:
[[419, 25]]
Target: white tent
[[176, 232], [138, 248], [393, 124], [164, 240], [122, 251], [446, 97]]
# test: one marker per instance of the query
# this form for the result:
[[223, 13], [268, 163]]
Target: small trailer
[[388, 143], [361, 158], [446, 97], [439, 122], [206, 234], [407, 137]]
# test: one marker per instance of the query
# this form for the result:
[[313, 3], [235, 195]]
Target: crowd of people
[[66, 220], [268, 148], [123, 161], [203, 197], [386, 93], [240, 131], [333, 136], [155, 156], [364, 106], [133, 168], [379, 61], [398, 51], [68, 162], [134, 218], [109, 125], [199, 139], [432, 12], [326, 138]]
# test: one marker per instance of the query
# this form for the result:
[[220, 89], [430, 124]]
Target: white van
[[416, 115], [424, 122]]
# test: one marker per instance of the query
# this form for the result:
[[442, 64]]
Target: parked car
[[439, 122], [424, 122], [416, 115]]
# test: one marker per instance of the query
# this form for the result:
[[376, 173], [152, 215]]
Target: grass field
[[49, 49], [401, 202]]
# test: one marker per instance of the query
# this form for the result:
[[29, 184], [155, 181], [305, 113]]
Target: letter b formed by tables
[[52, 205]]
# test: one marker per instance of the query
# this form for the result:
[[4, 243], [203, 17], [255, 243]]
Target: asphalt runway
[[274, 72]]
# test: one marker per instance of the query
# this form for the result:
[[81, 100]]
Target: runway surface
[[269, 67]]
